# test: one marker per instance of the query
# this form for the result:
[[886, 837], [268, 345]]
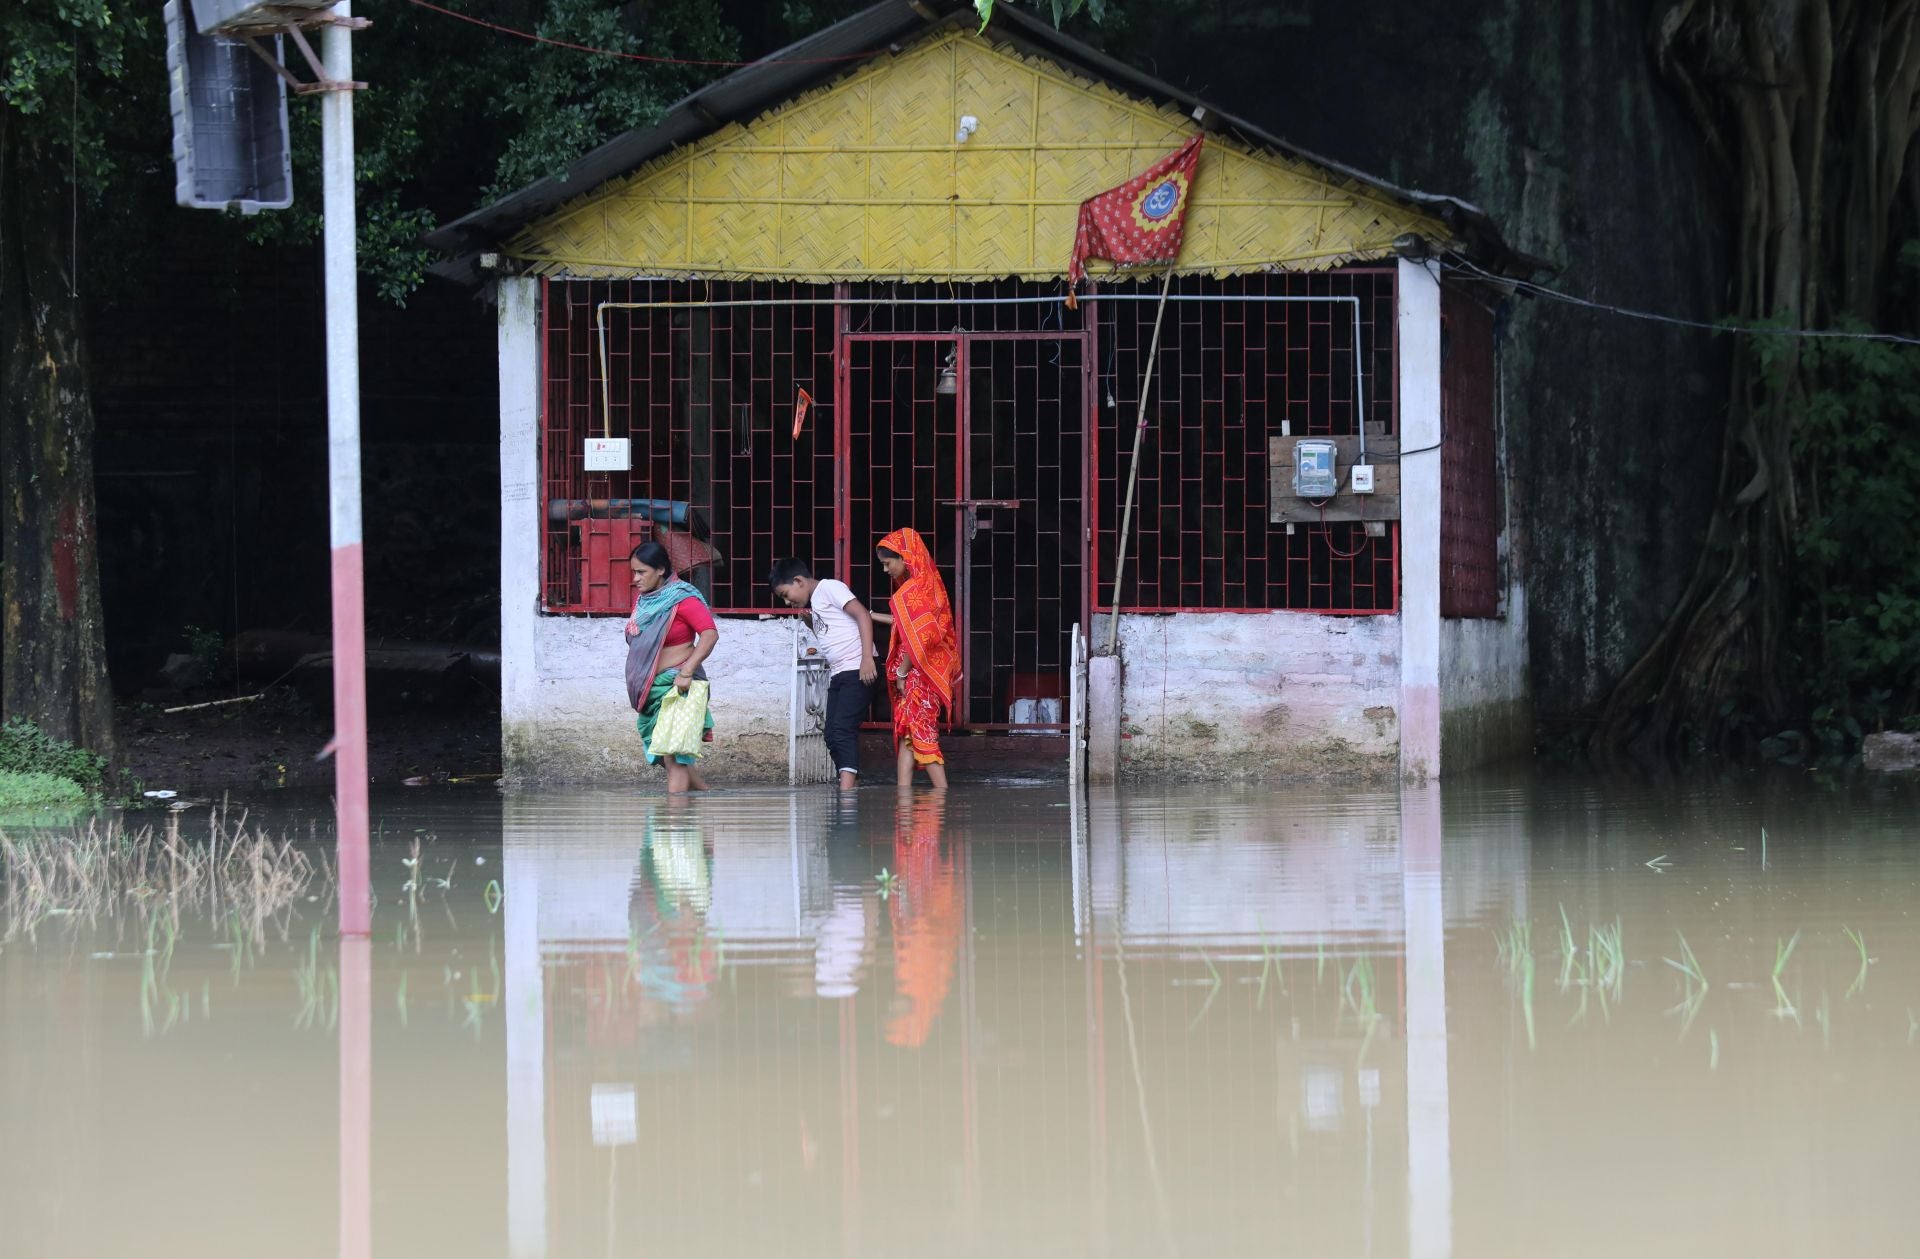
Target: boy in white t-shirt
[[845, 631]]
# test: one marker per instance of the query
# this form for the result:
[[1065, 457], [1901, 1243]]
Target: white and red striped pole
[[343, 482]]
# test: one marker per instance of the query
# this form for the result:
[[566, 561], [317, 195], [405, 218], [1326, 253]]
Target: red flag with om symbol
[[1143, 220]]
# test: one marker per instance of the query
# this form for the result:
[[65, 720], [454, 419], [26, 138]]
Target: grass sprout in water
[[1606, 969], [157, 996], [1213, 990], [1569, 951], [1782, 954], [231, 873], [477, 1002], [1269, 962], [1515, 948], [1696, 984], [319, 989], [1357, 994], [1597, 969], [1859, 943]]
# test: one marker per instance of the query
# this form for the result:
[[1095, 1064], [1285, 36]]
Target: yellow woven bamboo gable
[[863, 179]]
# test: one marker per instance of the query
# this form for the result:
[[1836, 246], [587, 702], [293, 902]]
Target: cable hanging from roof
[[639, 56], [1457, 263]]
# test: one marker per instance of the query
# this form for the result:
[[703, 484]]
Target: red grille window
[[1028, 424], [1469, 478], [707, 397], [1235, 364]]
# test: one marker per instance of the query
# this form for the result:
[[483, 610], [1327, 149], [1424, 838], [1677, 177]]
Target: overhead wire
[[1458, 263], [638, 56]]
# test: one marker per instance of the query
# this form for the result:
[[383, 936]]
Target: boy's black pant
[[848, 699]]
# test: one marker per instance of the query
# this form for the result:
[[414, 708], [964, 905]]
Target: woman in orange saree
[[923, 658]]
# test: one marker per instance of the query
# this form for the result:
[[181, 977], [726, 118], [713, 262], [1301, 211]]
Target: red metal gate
[[978, 441]]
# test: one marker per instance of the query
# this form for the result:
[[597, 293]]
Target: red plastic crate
[[604, 582]]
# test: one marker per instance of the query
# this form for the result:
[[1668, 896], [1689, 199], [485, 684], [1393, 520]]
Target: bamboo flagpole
[[1133, 477], [1141, 221]]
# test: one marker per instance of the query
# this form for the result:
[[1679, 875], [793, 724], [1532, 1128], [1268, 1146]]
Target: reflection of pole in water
[[1429, 1157], [356, 1097], [969, 1072], [849, 1132], [615, 1113], [1140, 1093], [526, 1054], [1096, 1001], [1077, 850]]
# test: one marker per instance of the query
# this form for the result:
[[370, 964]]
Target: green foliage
[[208, 650], [1854, 647], [456, 115], [564, 104], [19, 790], [65, 70], [26, 750], [1061, 10]]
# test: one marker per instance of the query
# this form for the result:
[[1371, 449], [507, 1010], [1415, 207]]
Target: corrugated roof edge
[[751, 90]]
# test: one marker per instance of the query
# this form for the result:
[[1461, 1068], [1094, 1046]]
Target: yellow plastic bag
[[680, 723]]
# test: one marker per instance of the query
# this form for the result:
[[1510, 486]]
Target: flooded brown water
[[1478, 1020]]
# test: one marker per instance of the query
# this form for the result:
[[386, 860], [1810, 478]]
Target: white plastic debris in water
[[160, 795]]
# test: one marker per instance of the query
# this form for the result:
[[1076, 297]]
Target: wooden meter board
[[1286, 508]]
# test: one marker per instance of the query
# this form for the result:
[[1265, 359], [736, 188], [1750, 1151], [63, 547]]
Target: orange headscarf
[[922, 617]]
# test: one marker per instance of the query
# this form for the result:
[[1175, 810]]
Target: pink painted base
[[350, 738]]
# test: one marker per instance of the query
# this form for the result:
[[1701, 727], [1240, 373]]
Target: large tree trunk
[[54, 672], [1810, 109]]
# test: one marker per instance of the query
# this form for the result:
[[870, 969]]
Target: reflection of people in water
[[928, 918], [669, 949]]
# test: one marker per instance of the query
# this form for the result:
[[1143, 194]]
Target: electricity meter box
[[1315, 472]]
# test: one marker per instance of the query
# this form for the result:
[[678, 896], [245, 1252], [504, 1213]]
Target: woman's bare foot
[[938, 774]]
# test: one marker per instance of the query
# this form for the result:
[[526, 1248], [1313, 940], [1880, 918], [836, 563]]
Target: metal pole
[[1133, 477], [343, 481]]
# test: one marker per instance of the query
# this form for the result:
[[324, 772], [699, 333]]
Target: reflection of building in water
[[1290, 870], [1125, 1035]]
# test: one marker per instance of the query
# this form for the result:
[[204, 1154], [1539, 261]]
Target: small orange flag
[[800, 409]]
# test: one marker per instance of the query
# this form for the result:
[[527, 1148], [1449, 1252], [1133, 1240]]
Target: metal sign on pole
[[230, 22]]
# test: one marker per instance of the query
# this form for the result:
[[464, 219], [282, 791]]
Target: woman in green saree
[[669, 638]]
